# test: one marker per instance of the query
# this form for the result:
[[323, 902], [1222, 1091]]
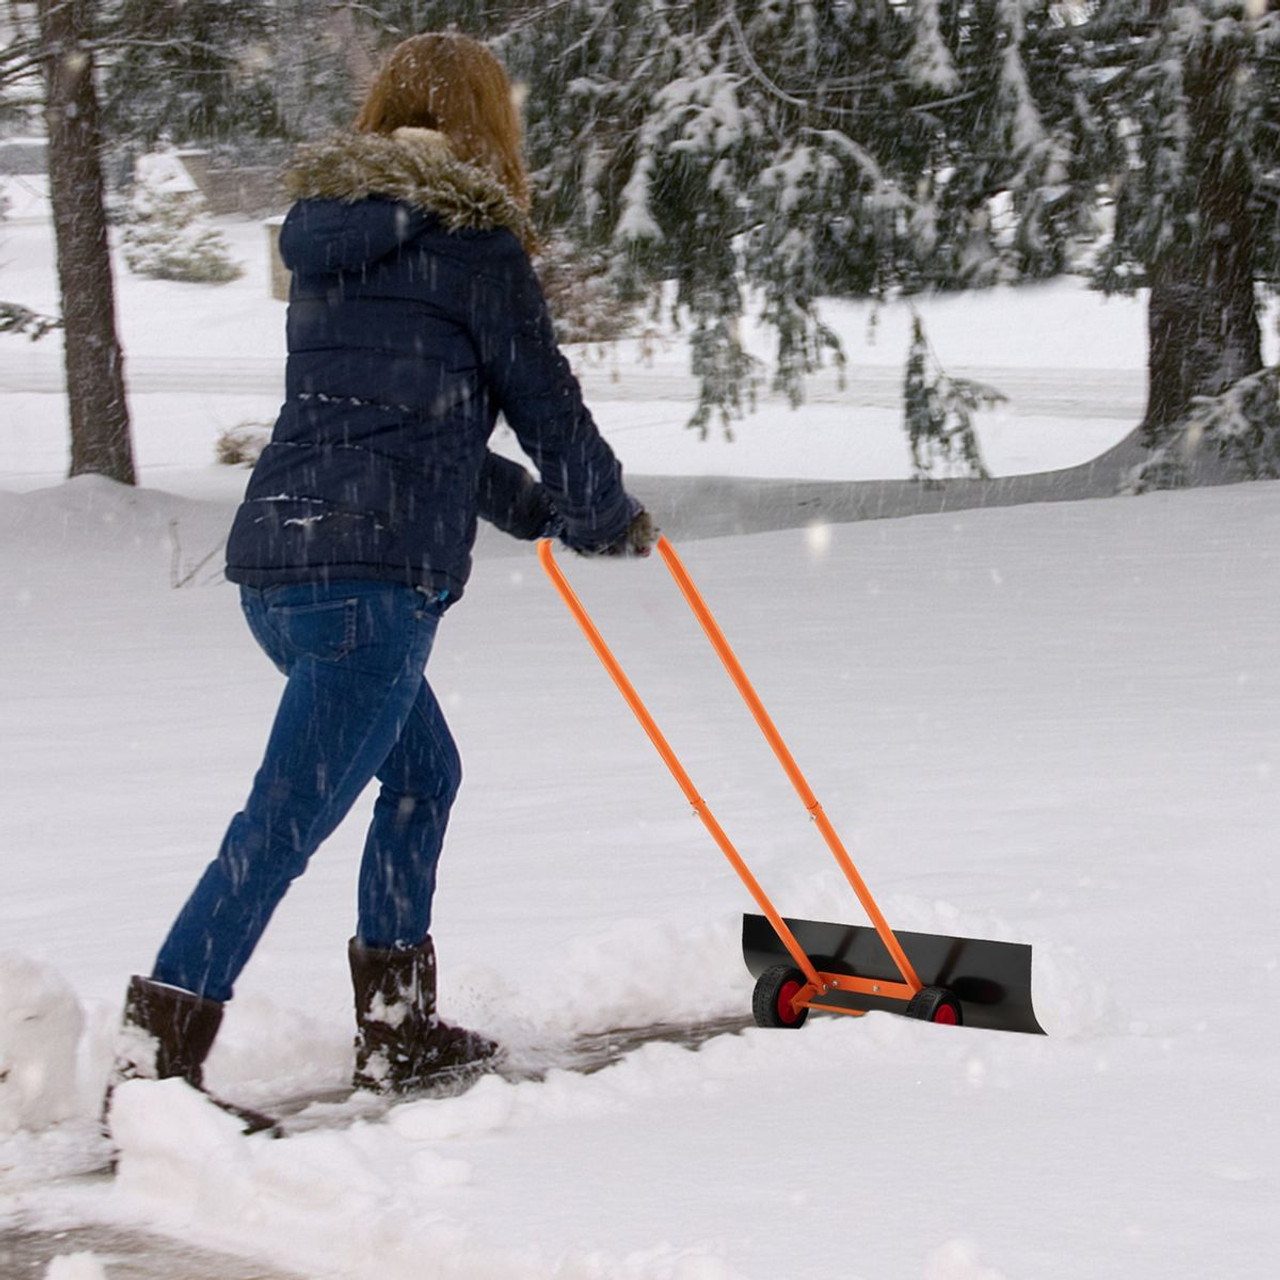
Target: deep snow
[[1055, 724]]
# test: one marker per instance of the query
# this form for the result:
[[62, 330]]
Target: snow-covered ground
[[1055, 724]]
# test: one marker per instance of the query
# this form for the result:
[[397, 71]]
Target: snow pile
[[40, 1026], [644, 972], [76, 1266], [959, 1260], [351, 1203]]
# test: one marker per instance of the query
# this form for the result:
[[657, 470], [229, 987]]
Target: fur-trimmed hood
[[415, 167]]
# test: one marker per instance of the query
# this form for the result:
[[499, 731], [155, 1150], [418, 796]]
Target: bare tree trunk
[[1203, 326], [99, 411]]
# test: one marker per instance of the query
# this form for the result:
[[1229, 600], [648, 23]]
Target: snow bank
[[40, 1026], [354, 1204], [75, 1266]]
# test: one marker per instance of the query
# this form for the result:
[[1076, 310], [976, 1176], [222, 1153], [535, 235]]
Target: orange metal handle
[[739, 677], [712, 629], [547, 558]]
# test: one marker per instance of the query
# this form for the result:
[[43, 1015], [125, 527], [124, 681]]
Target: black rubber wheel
[[935, 1004], [771, 1004]]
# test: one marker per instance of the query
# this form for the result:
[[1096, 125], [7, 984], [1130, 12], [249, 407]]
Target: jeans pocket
[[326, 631]]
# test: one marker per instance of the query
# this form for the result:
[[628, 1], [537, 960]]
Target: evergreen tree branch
[[15, 318]]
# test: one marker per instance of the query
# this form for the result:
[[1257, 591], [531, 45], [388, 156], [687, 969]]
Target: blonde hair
[[452, 83]]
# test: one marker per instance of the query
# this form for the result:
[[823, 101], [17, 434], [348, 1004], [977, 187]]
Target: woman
[[415, 318]]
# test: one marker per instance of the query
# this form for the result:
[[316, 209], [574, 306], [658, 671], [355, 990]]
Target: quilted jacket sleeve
[[536, 391], [512, 500]]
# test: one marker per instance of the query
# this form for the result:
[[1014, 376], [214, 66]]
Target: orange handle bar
[[731, 664]]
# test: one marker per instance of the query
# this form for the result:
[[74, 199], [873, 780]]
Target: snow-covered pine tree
[[765, 153], [195, 72], [769, 151], [15, 318], [168, 233], [939, 412], [320, 50], [1181, 99], [1244, 423]]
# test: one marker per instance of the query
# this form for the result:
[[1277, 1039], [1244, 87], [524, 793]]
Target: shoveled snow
[[40, 1028], [1055, 724], [76, 1266]]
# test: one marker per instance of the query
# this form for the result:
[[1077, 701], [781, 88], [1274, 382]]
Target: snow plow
[[807, 965]]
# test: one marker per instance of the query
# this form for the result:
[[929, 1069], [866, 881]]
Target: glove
[[553, 526], [638, 540]]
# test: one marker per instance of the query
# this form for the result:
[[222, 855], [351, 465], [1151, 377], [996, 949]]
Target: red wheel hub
[[786, 1009], [946, 1014]]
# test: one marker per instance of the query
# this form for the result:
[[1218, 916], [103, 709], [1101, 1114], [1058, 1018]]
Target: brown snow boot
[[167, 1033], [400, 1043]]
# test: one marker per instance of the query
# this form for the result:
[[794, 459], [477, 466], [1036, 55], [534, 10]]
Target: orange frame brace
[[817, 982]]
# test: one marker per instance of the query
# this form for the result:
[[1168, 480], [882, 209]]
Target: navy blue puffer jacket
[[415, 318]]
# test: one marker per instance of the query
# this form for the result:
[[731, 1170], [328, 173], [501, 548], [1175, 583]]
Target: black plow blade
[[991, 980]]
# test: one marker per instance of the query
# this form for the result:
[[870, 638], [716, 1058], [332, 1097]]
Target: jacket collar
[[416, 167]]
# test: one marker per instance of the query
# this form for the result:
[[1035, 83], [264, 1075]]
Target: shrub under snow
[[167, 232]]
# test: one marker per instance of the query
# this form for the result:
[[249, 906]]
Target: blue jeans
[[356, 706]]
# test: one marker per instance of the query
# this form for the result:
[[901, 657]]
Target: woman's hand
[[638, 540]]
